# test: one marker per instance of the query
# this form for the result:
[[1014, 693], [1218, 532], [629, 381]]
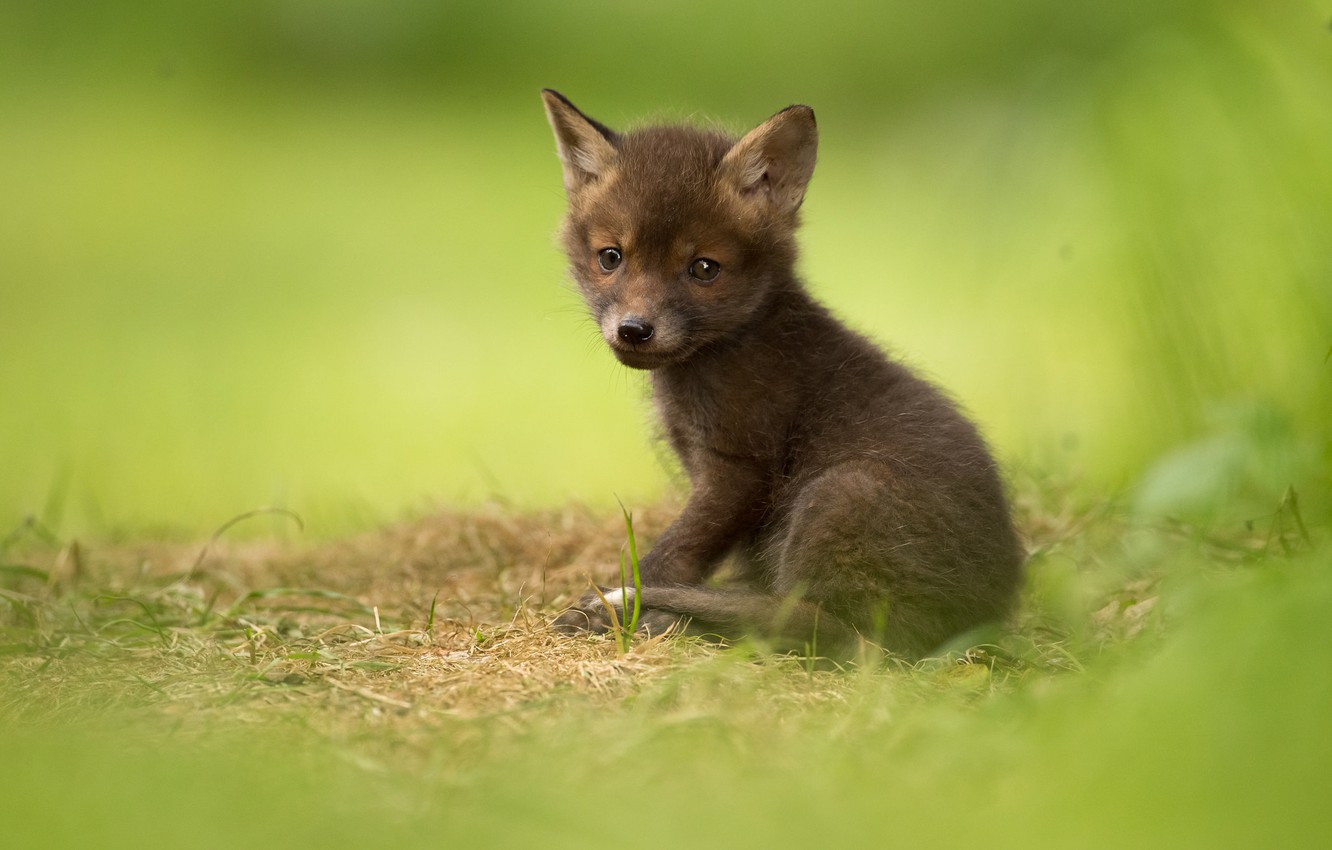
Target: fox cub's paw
[[590, 614]]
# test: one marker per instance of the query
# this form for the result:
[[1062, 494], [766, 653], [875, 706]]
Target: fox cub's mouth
[[639, 358]]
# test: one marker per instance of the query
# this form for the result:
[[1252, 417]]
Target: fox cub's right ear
[[586, 147], [776, 159]]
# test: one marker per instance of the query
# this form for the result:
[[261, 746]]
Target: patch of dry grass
[[439, 618], [447, 612], [446, 617]]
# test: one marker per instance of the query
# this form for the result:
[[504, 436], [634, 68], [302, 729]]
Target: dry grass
[[447, 616], [438, 618], [447, 612]]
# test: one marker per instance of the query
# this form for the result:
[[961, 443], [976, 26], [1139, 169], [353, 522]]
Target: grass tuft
[[630, 552]]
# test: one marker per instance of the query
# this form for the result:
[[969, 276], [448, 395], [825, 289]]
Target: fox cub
[[859, 502]]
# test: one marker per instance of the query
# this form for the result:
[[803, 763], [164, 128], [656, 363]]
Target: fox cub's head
[[678, 236]]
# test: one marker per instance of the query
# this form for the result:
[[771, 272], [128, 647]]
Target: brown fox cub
[[859, 502]]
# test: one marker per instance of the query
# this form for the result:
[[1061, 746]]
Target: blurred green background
[[301, 253]]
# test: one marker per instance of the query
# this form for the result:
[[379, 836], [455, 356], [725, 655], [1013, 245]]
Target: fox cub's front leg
[[720, 510], [725, 505]]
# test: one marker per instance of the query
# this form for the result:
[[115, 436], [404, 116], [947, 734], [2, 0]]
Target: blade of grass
[[25, 571], [430, 618], [241, 517], [633, 561]]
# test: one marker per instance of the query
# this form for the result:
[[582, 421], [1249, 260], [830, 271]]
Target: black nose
[[635, 331]]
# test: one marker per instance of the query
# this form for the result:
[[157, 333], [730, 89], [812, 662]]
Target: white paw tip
[[619, 596]]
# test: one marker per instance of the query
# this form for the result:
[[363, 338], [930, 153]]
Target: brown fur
[[859, 501]]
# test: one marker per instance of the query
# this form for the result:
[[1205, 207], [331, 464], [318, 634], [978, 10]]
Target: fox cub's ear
[[586, 147], [776, 159]]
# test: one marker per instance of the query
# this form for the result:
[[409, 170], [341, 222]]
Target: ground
[[410, 676]]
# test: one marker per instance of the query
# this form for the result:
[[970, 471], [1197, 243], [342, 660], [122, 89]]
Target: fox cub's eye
[[704, 270], [609, 259]]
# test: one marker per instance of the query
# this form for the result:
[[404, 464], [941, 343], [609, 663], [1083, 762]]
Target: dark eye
[[704, 270], [609, 259]]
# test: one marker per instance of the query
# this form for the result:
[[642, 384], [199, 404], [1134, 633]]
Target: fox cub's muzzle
[[641, 342]]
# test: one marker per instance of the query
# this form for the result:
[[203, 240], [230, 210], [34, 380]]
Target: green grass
[[629, 577], [1156, 687]]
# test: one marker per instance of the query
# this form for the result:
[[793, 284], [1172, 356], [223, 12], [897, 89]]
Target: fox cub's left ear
[[586, 147], [776, 159]]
